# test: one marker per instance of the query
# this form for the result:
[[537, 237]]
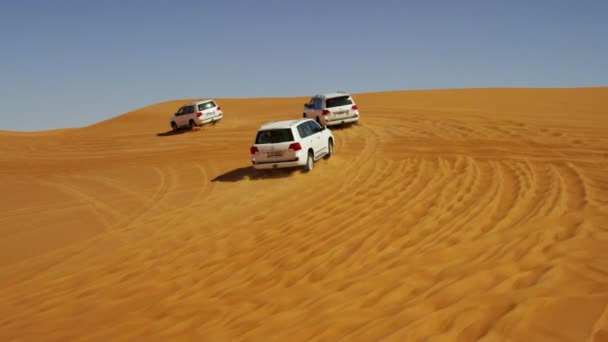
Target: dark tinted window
[[273, 136], [314, 127], [304, 130], [338, 101], [318, 103], [188, 109], [180, 111], [206, 105]]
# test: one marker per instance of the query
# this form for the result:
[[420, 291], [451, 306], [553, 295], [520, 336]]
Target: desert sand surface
[[448, 214]]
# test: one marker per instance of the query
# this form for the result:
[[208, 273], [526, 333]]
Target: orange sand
[[455, 214]]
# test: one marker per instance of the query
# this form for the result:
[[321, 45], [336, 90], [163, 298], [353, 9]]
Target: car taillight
[[325, 112], [355, 107], [295, 146], [254, 149], [219, 108], [198, 115]]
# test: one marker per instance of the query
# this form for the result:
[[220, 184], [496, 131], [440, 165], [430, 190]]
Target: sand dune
[[454, 214]]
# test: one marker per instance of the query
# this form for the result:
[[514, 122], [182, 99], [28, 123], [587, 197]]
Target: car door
[[306, 138], [179, 118], [319, 144], [188, 115], [318, 107]]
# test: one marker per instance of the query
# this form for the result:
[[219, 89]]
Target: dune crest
[[452, 214]]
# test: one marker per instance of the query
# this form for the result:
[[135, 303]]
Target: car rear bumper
[[211, 119], [341, 121], [279, 164]]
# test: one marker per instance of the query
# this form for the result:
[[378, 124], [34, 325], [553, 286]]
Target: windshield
[[273, 136], [338, 101]]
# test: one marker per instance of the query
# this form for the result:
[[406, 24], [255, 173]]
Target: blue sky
[[69, 63]]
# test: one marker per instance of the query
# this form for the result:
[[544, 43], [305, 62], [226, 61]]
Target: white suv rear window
[[274, 136], [338, 101], [206, 105]]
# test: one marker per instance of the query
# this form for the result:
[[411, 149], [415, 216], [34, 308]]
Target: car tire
[[173, 126], [310, 162], [192, 124], [330, 149]]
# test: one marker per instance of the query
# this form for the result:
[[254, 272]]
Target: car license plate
[[274, 154]]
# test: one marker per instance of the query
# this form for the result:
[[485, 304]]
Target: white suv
[[332, 109], [196, 114], [291, 143]]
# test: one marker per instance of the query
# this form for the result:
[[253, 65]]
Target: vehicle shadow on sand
[[178, 132], [344, 127], [250, 173]]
